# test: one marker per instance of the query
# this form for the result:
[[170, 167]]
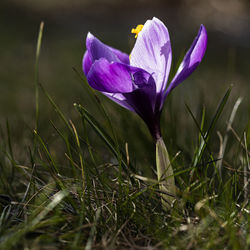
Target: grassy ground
[[66, 193], [81, 180]]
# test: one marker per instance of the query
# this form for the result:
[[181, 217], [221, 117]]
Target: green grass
[[85, 181]]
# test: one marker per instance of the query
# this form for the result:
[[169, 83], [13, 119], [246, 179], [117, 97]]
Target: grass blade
[[38, 49], [103, 135]]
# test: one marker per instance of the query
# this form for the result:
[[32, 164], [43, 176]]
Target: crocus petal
[[86, 63], [142, 100], [103, 51], [115, 77], [123, 57], [152, 52], [119, 99], [98, 50], [191, 60]]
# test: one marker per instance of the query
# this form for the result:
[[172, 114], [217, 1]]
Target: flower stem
[[165, 174]]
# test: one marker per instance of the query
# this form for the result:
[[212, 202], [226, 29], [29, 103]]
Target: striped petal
[[191, 60], [152, 52]]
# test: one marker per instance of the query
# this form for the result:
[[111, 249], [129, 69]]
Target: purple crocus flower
[[139, 82]]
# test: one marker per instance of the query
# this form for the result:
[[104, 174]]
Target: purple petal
[[86, 63], [115, 77], [123, 57], [119, 99], [103, 51], [142, 100], [98, 50], [152, 52], [191, 60]]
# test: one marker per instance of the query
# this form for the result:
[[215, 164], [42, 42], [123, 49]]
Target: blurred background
[[67, 22]]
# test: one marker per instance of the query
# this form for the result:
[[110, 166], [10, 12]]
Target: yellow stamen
[[137, 30]]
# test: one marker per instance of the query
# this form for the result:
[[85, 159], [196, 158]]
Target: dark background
[[66, 25]]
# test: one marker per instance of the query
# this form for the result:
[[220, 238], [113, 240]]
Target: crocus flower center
[[137, 30]]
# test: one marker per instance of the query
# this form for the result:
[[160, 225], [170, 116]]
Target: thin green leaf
[[38, 48], [165, 174], [103, 135]]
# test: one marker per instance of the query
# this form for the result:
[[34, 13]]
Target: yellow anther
[[137, 30]]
